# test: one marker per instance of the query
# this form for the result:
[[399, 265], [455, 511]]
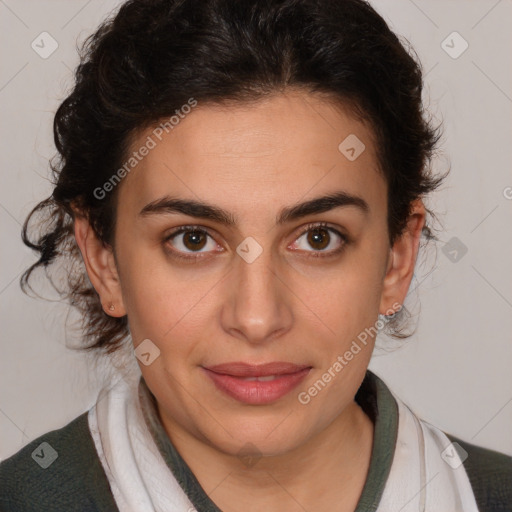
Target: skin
[[287, 305]]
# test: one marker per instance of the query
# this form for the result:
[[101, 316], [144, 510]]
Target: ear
[[101, 268], [402, 260]]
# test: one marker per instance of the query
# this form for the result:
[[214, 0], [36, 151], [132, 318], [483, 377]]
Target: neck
[[334, 463]]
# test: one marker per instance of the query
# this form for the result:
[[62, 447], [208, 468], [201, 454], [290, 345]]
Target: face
[[246, 237]]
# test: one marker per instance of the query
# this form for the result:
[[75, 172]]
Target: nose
[[258, 306]]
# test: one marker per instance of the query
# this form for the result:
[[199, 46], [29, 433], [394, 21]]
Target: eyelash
[[314, 254]]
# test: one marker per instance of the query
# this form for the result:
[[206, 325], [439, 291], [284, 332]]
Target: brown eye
[[319, 238], [194, 240], [188, 240]]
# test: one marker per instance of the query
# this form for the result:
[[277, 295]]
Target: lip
[[229, 378]]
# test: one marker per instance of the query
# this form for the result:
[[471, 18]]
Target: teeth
[[261, 379]]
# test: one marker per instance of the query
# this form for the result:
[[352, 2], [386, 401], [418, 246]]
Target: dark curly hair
[[152, 56]]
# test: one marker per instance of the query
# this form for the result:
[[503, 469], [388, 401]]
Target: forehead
[[283, 148]]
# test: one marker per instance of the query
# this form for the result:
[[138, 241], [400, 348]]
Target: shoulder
[[56, 471], [490, 475]]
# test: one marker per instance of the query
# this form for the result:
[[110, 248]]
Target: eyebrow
[[200, 210]]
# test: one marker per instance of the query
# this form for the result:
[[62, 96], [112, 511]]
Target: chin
[[270, 436]]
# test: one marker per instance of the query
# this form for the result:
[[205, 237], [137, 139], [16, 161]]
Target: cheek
[[163, 302], [347, 299]]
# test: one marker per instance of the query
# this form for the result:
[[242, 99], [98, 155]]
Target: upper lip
[[240, 369]]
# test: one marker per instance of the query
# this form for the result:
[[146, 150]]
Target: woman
[[240, 193]]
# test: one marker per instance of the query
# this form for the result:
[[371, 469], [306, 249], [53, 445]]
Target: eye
[[190, 240], [321, 238]]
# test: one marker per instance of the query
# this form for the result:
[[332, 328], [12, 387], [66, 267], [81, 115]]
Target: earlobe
[[402, 260], [101, 267]]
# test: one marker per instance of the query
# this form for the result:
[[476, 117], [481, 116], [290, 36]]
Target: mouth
[[257, 384]]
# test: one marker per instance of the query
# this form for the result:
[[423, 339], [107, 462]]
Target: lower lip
[[255, 392]]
